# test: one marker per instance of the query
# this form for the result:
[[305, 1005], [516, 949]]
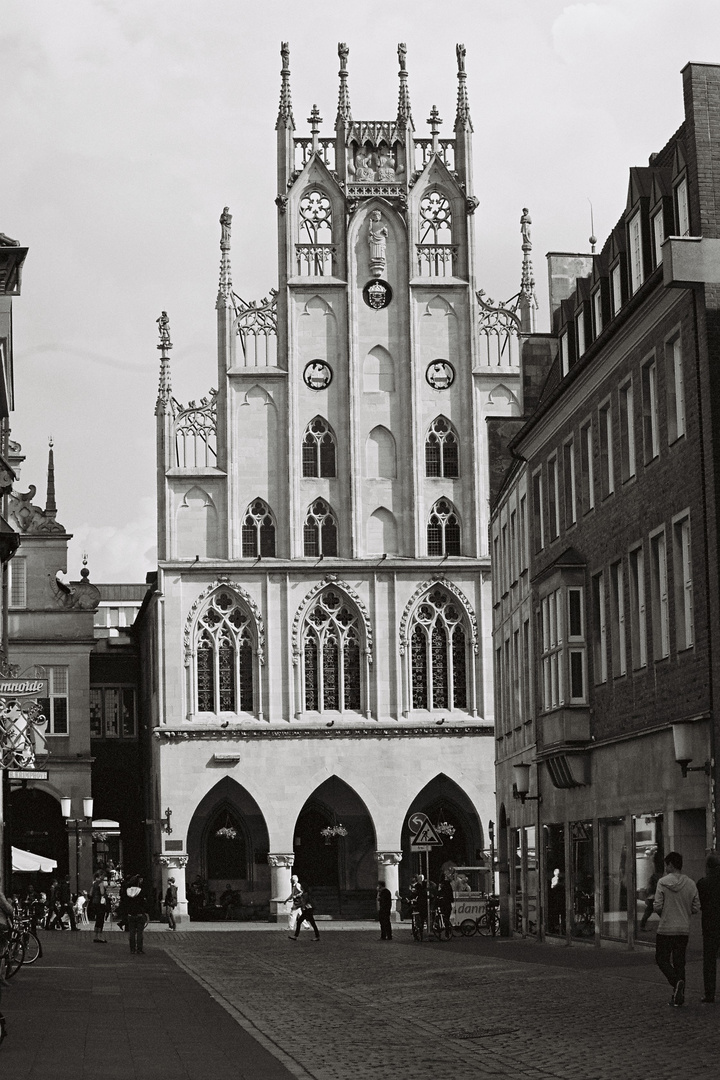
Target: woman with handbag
[[306, 915]]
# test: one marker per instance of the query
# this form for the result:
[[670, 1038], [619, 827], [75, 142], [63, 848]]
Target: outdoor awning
[[25, 862]]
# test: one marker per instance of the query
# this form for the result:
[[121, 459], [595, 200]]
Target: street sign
[[426, 835], [22, 687], [27, 774], [421, 847]]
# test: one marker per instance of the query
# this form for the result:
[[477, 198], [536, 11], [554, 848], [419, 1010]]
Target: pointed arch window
[[435, 219], [224, 653], [331, 655], [320, 531], [443, 531], [438, 654], [258, 532], [315, 252], [318, 451], [441, 450]]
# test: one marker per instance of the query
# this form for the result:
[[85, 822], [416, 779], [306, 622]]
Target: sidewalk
[[85, 1011]]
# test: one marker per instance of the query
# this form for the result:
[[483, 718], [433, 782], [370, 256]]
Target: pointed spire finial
[[434, 121], [315, 120], [164, 398], [462, 113], [225, 289], [593, 237], [50, 505], [404, 111], [285, 113], [344, 113], [528, 301]]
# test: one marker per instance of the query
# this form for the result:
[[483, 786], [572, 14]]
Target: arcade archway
[[35, 823], [444, 803]]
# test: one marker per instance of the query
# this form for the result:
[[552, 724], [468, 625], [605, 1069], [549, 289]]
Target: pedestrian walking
[[295, 899], [384, 898], [306, 915], [676, 899], [134, 906], [171, 903], [99, 905], [709, 893]]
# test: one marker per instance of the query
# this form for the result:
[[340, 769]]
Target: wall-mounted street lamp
[[686, 748], [66, 810], [521, 786]]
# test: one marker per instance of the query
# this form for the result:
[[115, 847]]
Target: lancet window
[[331, 655], [438, 654], [443, 531], [315, 249], [318, 451], [441, 450], [258, 532], [224, 651], [435, 219], [320, 531]]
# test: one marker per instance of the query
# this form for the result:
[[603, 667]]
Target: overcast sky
[[127, 125]]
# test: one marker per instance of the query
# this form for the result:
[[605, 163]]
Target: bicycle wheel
[[14, 956], [437, 927], [468, 927], [33, 948], [485, 925]]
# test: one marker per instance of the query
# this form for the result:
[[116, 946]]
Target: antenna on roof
[[593, 237]]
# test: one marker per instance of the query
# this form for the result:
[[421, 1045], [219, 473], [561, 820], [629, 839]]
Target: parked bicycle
[[487, 924]]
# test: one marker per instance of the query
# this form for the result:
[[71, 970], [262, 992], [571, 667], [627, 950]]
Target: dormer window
[[564, 354], [681, 208], [616, 288], [597, 312], [581, 332], [658, 234], [637, 274]]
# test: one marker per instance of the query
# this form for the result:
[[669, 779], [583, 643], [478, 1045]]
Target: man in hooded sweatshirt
[[709, 892], [676, 899]]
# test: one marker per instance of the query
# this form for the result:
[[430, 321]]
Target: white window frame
[[553, 498], [617, 613], [577, 646], [651, 437], [638, 611], [600, 666], [616, 288], [607, 460], [570, 482], [637, 273], [626, 409], [586, 454], [674, 387], [658, 232], [581, 332], [683, 210], [597, 312], [683, 582], [17, 583], [58, 682], [659, 594], [538, 509], [564, 354]]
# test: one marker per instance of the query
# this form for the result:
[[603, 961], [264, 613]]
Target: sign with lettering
[[27, 774], [22, 687]]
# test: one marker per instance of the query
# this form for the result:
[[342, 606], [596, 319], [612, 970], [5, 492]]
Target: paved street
[[257, 1006]]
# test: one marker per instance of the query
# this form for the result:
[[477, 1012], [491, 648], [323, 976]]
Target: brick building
[[605, 573]]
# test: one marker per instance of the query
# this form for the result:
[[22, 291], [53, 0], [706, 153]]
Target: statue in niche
[[364, 172], [386, 166], [377, 239]]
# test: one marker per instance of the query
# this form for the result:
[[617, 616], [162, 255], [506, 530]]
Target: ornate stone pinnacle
[[344, 113], [462, 113], [285, 113], [164, 331], [528, 300], [225, 288], [404, 115]]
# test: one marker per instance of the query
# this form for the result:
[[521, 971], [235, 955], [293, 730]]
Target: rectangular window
[[505, 561], [616, 289], [599, 629], [651, 441], [497, 567], [681, 206], [597, 312], [587, 468], [553, 499], [570, 484], [659, 596], [581, 331], [538, 513], [498, 688], [607, 470], [682, 575], [637, 275], [17, 583], [576, 646], [523, 533], [553, 678], [627, 431], [564, 354], [526, 668], [516, 677], [513, 546], [617, 620], [674, 388], [55, 705], [658, 230], [638, 625]]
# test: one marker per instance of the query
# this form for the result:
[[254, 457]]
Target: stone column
[[388, 862], [174, 866], [280, 867]]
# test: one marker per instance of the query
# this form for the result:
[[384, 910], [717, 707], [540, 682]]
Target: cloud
[[117, 553]]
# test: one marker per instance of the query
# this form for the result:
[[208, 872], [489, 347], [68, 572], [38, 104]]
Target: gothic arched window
[[441, 450], [320, 531], [224, 656], [331, 655], [438, 654], [258, 532], [443, 531], [435, 219], [318, 450], [315, 218]]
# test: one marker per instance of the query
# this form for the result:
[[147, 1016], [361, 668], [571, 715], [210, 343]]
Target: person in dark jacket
[[134, 909], [384, 897], [306, 915], [709, 891], [445, 902]]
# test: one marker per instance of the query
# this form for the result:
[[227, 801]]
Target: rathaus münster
[[318, 641]]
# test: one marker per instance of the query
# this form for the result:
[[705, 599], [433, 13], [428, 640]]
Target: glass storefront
[[555, 878], [532, 880], [583, 879], [649, 854], [614, 870], [525, 872]]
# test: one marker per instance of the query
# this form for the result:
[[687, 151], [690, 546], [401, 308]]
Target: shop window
[[583, 879], [555, 879], [649, 855], [615, 870]]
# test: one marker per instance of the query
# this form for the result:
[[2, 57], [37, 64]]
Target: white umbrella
[[26, 862]]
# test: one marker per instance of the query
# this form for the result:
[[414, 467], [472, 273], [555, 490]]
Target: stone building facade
[[317, 640]]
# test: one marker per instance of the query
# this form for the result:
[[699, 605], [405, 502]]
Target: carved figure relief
[[377, 239]]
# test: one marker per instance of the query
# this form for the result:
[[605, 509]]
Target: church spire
[[528, 301], [285, 114], [404, 115], [50, 504], [164, 398], [344, 113], [225, 286], [462, 113]]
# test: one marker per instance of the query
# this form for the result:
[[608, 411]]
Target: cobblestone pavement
[[351, 1007]]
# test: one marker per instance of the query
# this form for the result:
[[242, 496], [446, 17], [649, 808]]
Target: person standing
[[306, 915], [676, 899], [99, 905], [445, 902], [709, 893], [135, 911], [384, 897], [171, 903]]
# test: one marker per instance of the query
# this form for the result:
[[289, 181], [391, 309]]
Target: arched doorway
[[228, 845], [445, 804], [334, 846], [34, 823]]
